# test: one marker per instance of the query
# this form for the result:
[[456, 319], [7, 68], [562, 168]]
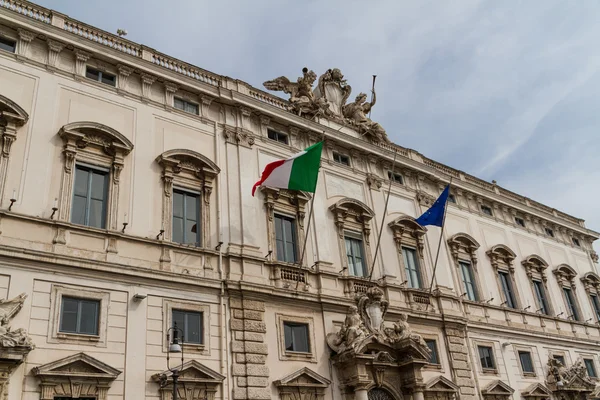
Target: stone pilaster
[[459, 361], [250, 372]]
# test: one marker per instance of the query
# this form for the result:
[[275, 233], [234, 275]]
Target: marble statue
[[356, 115], [560, 377], [402, 330], [351, 333], [335, 90], [9, 337], [302, 97]]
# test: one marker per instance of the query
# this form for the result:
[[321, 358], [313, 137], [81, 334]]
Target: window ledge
[[78, 336], [529, 375], [490, 371], [433, 366]]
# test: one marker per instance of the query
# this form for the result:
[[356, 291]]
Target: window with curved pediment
[[188, 178], [353, 222], [94, 156], [501, 258], [464, 253], [591, 284], [565, 276], [410, 243], [12, 117], [535, 267]]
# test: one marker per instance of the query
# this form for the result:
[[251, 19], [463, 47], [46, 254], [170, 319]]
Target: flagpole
[[387, 199], [437, 256]]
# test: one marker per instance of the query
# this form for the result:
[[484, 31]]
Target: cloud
[[502, 90]]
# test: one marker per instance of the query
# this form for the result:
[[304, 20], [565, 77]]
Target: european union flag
[[435, 214]]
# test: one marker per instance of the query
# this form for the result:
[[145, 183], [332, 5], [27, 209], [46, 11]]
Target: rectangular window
[[7, 44], [576, 242], [520, 221], [355, 254], [507, 289], [285, 238], [590, 367], [296, 337], [277, 136], [341, 158], [396, 177], [411, 267], [451, 198], [431, 343], [596, 305], [487, 210], [560, 359], [549, 232], [190, 323], [466, 272], [186, 217], [79, 316], [100, 76], [540, 295], [90, 194], [526, 362], [486, 357], [571, 307], [186, 106]]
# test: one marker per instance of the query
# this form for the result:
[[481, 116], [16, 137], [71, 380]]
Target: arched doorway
[[380, 394]]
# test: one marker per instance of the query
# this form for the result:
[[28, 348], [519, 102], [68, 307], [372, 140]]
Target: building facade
[[126, 208]]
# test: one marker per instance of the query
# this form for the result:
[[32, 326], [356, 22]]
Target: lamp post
[[175, 346]]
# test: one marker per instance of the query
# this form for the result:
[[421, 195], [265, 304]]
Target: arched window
[[352, 219], [535, 267], [501, 258], [408, 236], [464, 252], [188, 179], [591, 284], [12, 116], [565, 276], [94, 156]]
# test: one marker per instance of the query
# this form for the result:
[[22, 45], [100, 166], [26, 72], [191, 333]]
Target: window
[[571, 304], [341, 158], [487, 210], [596, 305], [576, 242], [90, 196], [277, 136], [549, 232], [540, 295], [296, 337], [285, 238], [355, 254], [411, 266], [507, 289], [7, 44], [451, 198], [486, 357], [100, 76], [186, 106], [589, 366], [431, 343], [73, 398], [466, 272], [79, 316], [520, 221], [396, 177], [186, 217], [190, 323], [560, 359], [526, 362]]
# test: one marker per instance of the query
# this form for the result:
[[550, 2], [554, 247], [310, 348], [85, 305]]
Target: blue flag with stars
[[435, 215]]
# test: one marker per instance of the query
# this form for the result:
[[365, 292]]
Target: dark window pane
[[451, 198], [178, 230], [486, 357], [560, 359], [98, 189], [7, 44], [68, 318], [178, 204], [279, 240], [507, 289], [178, 319], [411, 266], [89, 317], [78, 211], [79, 316], [596, 305], [92, 74], [486, 210], [549, 232], [89, 197], [178, 103], [572, 308], [526, 362], [96, 214], [191, 207], [289, 342], [190, 231], [520, 221], [193, 326], [81, 182], [540, 295], [296, 337], [591, 369], [285, 238], [576, 242], [109, 79], [434, 354], [468, 281]]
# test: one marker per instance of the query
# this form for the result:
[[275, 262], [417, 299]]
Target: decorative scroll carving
[[81, 58], [147, 81], [335, 90], [25, 38], [54, 49], [124, 72]]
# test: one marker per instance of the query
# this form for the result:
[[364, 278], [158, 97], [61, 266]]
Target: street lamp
[[175, 346]]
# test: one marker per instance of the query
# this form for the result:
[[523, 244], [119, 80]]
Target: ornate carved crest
[[13, 338], [574, 378], [333, 88], [372, 309]]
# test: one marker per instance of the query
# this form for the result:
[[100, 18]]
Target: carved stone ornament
[[562, 379], [355, 114], [303, 384], [13, 338], [196, 382], [333, 88]]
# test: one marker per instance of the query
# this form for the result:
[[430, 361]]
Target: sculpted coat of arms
[[329, 99]]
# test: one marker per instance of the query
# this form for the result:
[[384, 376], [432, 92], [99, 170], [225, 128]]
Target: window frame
[[463, 248], [291, 325], [4, 40], [395, 177], [571, 303], [562, 356], [565, 277], [535, 268], [492, 357], [282, 216], [358, 238], [287, 355], [277, 135], [199, 217], [592, 365], [576, 242], [549, 232], [91, 169], [529, 353], [185, 313], [452, 198], [417, 269], [521, 222], [80, 301], [169, 304], [341, 158], [541, 296], [474, 289], [484, 207], [507, 289], [100, 73], [434, 351], [185, 104]]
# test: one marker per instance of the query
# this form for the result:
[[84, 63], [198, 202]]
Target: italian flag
[[299, 172]]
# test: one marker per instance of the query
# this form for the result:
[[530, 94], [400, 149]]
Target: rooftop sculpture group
[[328, 99]]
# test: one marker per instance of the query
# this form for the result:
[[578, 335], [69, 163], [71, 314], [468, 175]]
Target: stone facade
[[514, 309]]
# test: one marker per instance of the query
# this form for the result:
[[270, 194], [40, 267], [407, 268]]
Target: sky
[[506, 90]]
